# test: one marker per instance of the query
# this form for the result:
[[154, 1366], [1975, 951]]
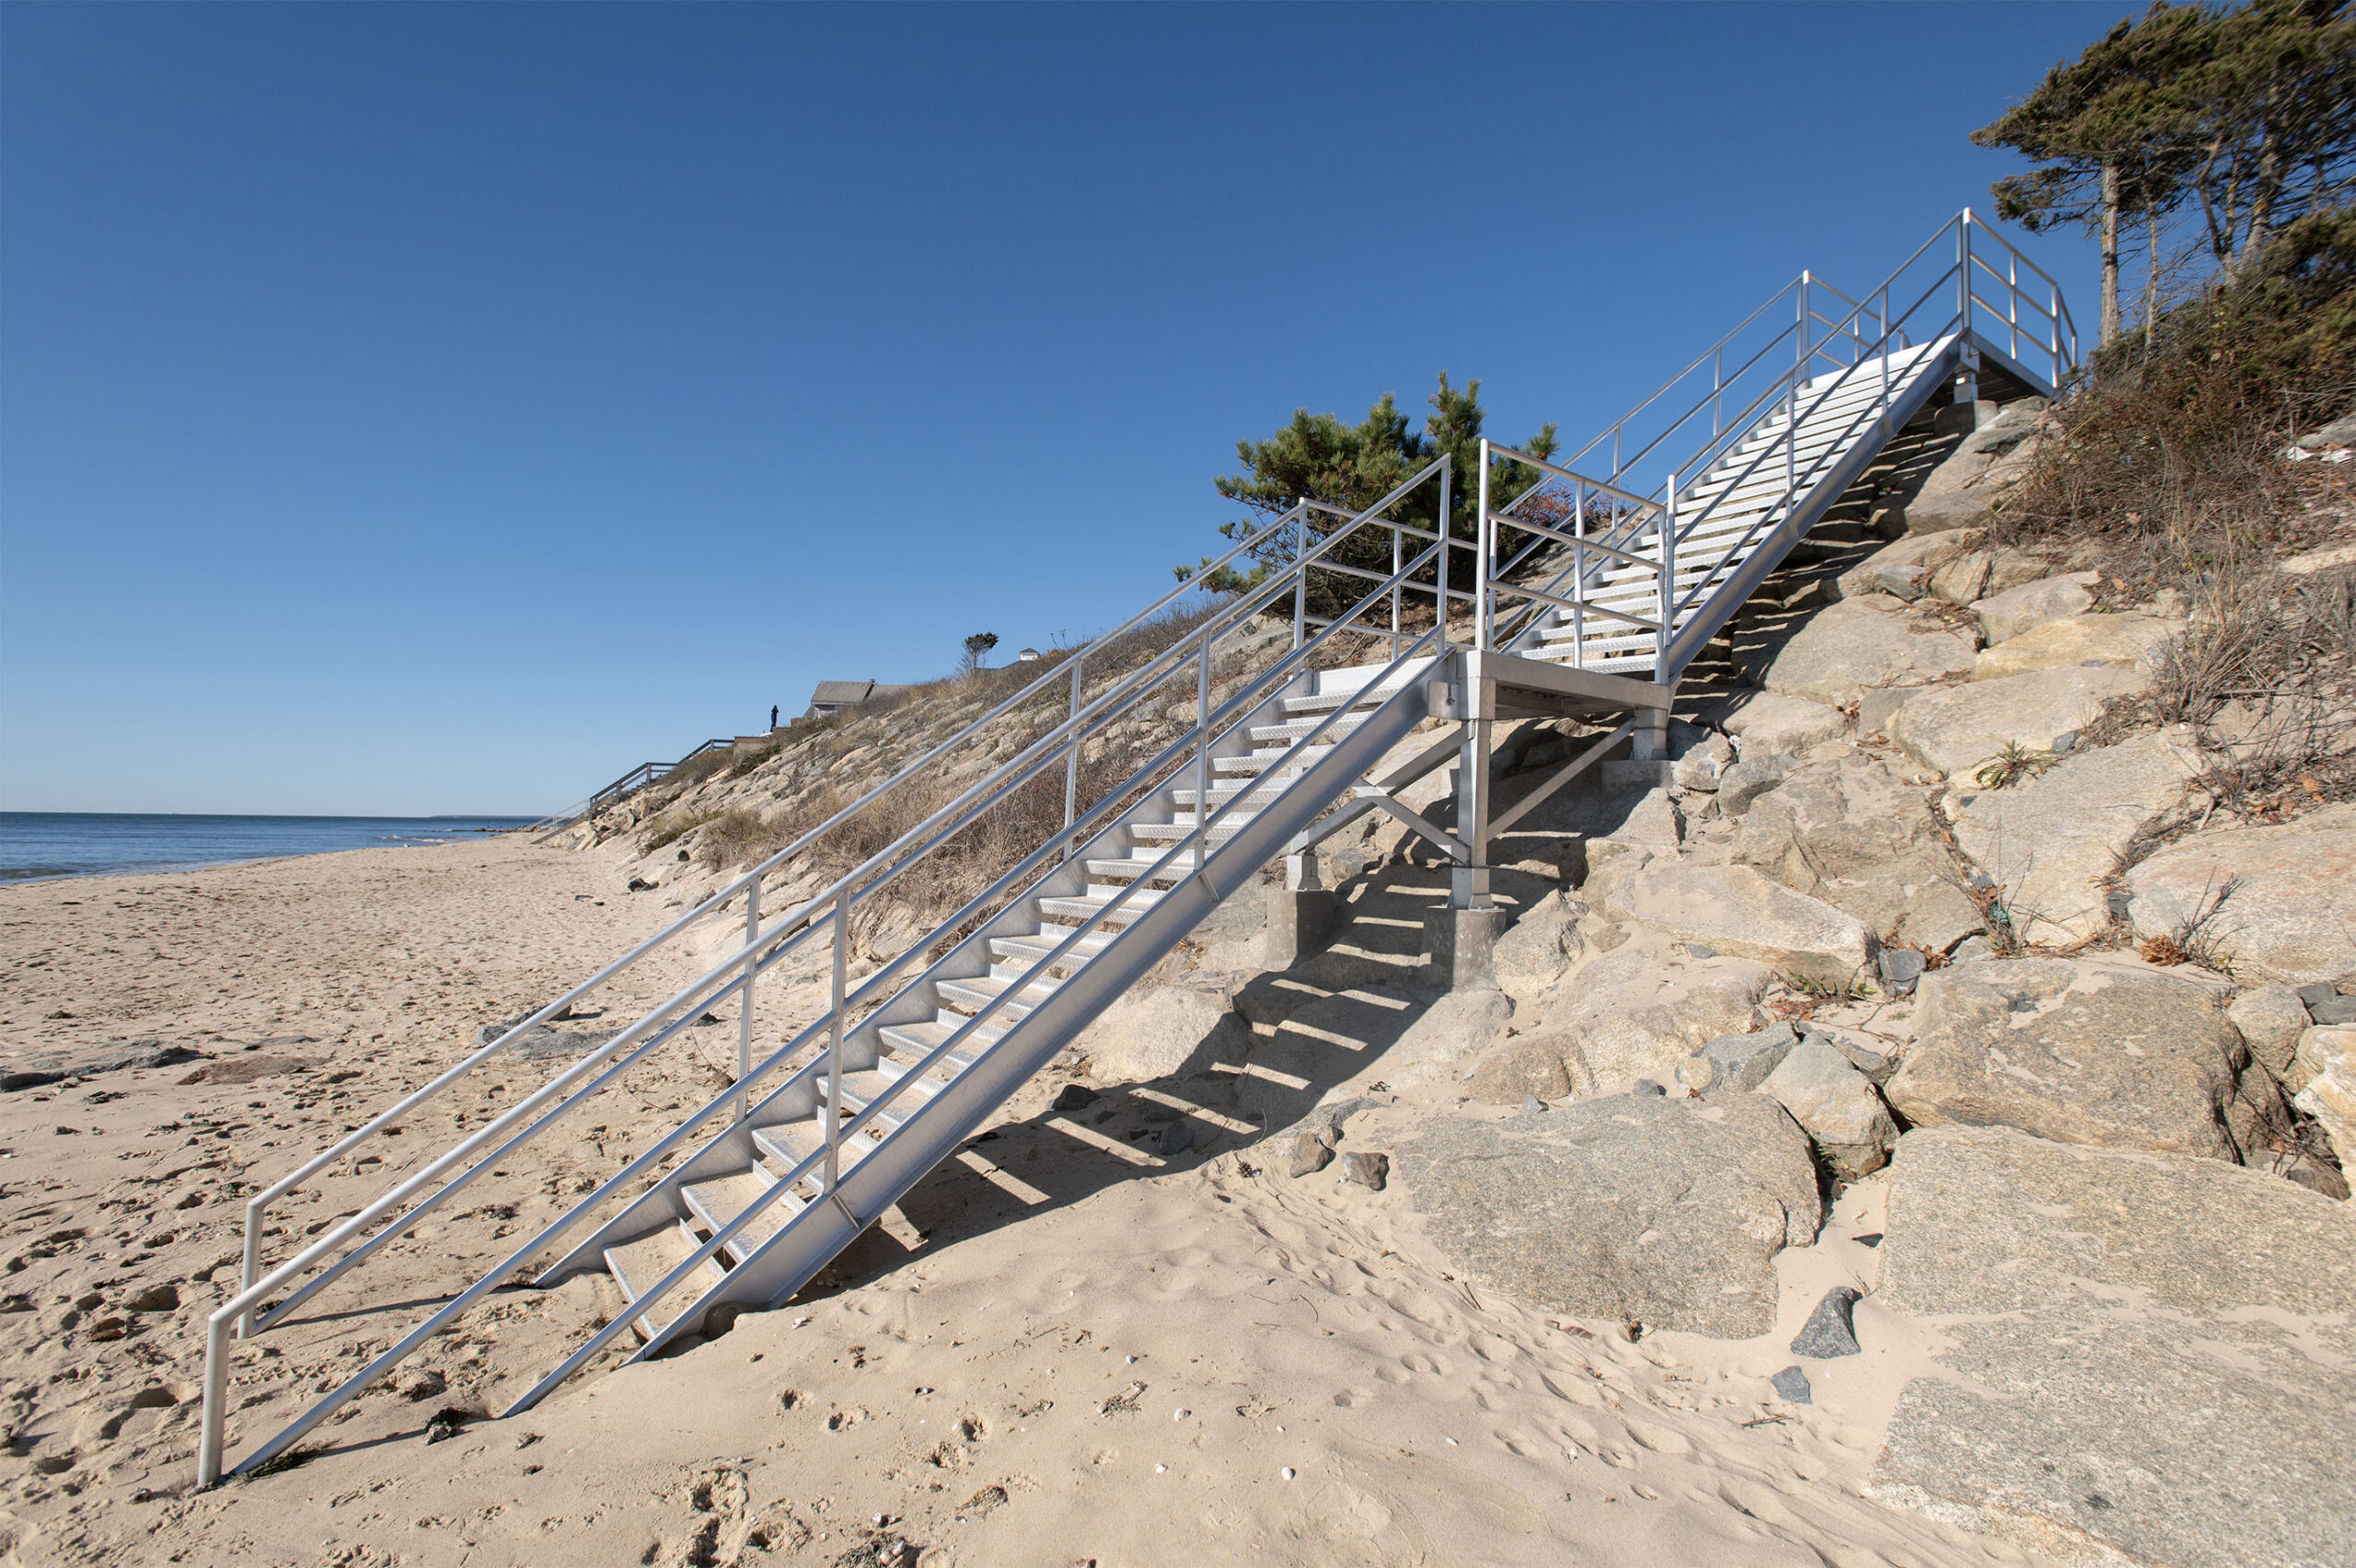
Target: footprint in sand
[[1350, 1399]]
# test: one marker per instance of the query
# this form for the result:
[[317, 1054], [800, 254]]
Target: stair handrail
[[258, 1204], [735, 971], [1893, 337]]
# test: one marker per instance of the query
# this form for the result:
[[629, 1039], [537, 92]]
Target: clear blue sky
[[421, 409]]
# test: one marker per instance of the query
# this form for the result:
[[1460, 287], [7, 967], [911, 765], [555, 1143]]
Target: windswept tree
[[977, 647], [2248, 114], [1318, 457]]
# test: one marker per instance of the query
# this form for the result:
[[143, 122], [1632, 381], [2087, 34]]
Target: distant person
[[772, 715]]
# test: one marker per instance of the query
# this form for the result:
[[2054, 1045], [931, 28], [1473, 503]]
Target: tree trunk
[[2110, 252], [2151, 276]]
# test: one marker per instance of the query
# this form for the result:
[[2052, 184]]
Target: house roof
[[841, 691]]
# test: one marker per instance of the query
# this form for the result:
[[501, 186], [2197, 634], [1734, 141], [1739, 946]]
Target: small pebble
[[1288, 1473], [1792, 1384], [1647, 1086], [1830, 1330]]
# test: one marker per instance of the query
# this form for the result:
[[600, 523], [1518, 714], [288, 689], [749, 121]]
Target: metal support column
[[1477, 701]]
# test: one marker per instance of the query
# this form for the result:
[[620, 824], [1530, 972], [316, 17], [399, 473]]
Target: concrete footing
[[1299, 921], [1460, 947]]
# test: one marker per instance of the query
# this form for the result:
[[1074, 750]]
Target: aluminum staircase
[[1586, 596]]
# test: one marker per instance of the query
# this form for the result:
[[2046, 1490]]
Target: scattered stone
[[1954, 730], [1870, 1238], [1900, 968], [2017, 610], [1531, 1105], [1645, 1086], [2050, 842], [155, 1298], [1836, 1104], [1309, 1153], [1739, 1063], [1791, 1385], [2334, 1010], [2149, 1351], [2125, 640], [2083, 1053], [1846, 649], [1177, 1137], [448, 1421], [1766, 721], [1830, 1330], [1371, 1170], [1663, 1211], [2281, 901], [1074, 1096], [1736, 910], [36, 1068]]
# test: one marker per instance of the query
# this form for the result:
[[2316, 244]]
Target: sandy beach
[[1062, 1349]]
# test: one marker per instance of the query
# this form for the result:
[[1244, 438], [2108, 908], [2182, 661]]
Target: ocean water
[[60, 844]]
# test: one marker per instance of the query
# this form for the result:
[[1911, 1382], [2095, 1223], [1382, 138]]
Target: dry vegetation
[[2168, 475]]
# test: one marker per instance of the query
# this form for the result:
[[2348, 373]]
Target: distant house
[[834, 696]]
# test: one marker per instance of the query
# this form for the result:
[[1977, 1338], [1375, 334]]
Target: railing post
[[1717, 388], [1799, 343], [2013, 299], [1578, 576], [1484, 620], [1667, 598], [1071, 756], [1398, 538], [1963, 271], [1447, 548], [1791, 447], [752, 970], [1886, 348], [1203, 752], [217, 1392], [835, 1047], [1300, 572]]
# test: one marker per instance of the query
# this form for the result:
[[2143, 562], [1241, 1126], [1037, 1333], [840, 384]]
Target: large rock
[[1836, 1104], [2005, 616], [2327, 1063], [1160, 1030], [1914, 557], [1733, 909], [2141, 1354], [1850, 647], [1849, 833], [1978, 573], [1766, 723], [1956, 728], [1659, 1211], [2125, 640], [2082, 1053], [2051, 841], [1634, 1012], [2287, 907], [1532, 953]]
